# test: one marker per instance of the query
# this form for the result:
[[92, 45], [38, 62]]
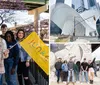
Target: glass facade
[[54, 29], [98, 26], [60, 1], [92, 3], [73, 6]]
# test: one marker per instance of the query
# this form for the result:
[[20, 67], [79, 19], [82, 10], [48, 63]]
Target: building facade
[[82, 5]]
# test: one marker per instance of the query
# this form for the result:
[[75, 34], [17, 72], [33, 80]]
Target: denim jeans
[[1, 75], [71, 76], [77, 74], [95, 72], [84, 76], [58, 75], [11, 79]]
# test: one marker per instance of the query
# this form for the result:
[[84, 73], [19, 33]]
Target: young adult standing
[[3, 55], [84, 69], [91, 71], [23, 65], [12, 61], [77, 71], [71, 71], [3, 30], [65, 71], [58, 66]]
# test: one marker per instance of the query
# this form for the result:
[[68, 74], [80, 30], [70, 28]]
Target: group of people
[[14, 61], [73, 71]]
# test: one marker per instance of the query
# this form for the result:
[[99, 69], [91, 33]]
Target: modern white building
[[82, 5], [98, 6], [66, 20], [86, 4]]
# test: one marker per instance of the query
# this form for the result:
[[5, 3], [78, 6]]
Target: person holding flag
[[23, 65]]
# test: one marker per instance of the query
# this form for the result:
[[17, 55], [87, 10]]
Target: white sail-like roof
[[91, 13], [66, 17]]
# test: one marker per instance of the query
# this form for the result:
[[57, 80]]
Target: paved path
[[96, 82]]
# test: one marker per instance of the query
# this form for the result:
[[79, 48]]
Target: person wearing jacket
[[3, 55], [12, 61], [58, 65], [84, 70], [77, 67], [91, 70], [65, 70], [23, 65], [71, 71]]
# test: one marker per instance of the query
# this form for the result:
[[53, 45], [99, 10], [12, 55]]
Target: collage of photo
[[49, 42]]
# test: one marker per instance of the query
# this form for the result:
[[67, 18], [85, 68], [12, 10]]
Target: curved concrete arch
[[81, 51]]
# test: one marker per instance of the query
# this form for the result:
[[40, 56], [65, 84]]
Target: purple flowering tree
[[7, 9]]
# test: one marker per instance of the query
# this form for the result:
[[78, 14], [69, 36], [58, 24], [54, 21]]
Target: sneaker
[[67, 83], [88, 83], [77, 82], [91, 81], [64, 82], [58, 82], [73, 83]]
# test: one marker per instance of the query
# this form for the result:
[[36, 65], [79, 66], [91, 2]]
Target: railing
[[40, 77]]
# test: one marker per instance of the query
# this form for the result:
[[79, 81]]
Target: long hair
[[18, 32], [78, 64], [12, 35]]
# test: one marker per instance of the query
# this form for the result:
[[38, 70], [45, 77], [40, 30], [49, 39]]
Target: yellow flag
[[37, 50]]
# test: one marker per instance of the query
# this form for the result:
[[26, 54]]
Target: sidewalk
[[96, 81]]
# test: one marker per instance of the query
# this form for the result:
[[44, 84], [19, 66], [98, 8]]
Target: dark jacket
[[91, 65], [76, 69], [58, 65], [13, 54], [79, 65]]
